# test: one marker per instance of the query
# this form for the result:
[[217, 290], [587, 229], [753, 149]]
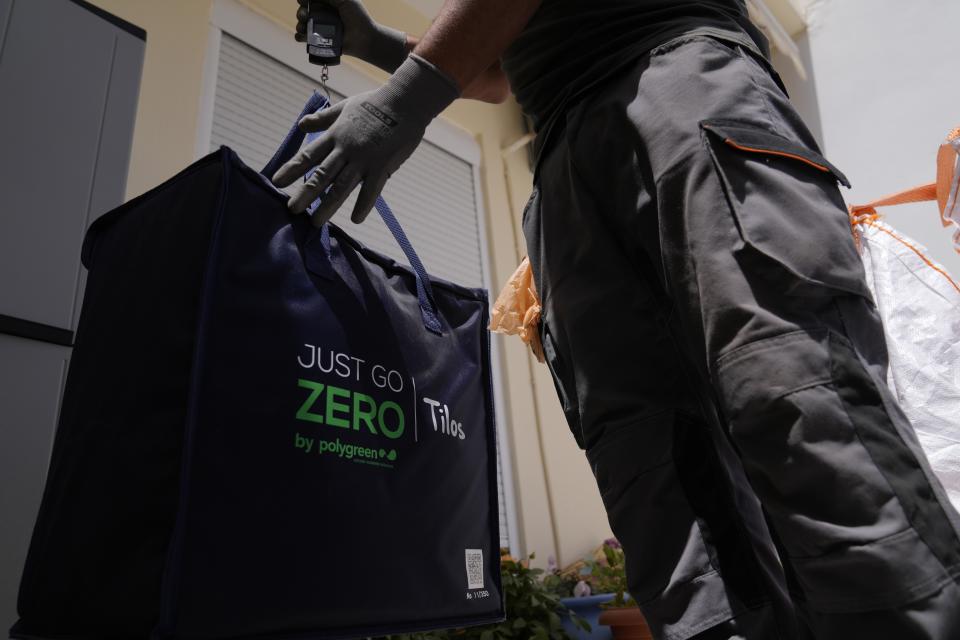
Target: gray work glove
[[367, 137], [363, 38]]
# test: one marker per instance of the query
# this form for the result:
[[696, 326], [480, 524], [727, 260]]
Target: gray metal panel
[[69, 80], [59, 71], [113, 158], [6, 6], [31, 379], [432, 194]]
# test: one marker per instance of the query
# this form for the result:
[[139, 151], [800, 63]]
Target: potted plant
[[573, 586], [621, 613], [597, 590], [534, 612]]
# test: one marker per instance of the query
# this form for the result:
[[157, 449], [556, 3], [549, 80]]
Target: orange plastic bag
[[517, 309]]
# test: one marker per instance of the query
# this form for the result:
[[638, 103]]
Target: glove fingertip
[[306, 123], [322, 215], [294, 206], [358, 216], [283, 177], [318, 121]]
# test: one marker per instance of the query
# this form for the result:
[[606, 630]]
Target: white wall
[[883, 92]]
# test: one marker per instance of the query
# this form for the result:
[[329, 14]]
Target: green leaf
[[554, 619]]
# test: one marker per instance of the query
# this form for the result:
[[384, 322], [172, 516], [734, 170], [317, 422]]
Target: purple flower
[[613, 543]]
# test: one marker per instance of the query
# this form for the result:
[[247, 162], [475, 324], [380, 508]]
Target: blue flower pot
[[589, 609]]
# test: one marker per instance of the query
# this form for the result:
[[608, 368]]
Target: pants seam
[[707, 401], [707, 624], [879, 468], [733, 356], [914, 593], [885, 540], [773, 122]]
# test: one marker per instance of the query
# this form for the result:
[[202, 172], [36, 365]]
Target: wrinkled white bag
[[919, 303]]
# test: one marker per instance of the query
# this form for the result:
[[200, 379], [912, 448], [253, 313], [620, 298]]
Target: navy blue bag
[[268, 430]]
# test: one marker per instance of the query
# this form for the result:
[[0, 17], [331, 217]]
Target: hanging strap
[[944, 191], [424, 290], [290, 145], [923, 193]]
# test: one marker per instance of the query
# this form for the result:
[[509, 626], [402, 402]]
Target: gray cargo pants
[[718, 355]]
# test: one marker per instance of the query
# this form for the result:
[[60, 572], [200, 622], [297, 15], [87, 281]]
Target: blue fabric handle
[[424, 290], [291, 143], [294, 138]]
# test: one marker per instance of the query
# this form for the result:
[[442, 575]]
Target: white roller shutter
[[256, 100]]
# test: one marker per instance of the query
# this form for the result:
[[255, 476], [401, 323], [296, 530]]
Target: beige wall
[[558, 506]]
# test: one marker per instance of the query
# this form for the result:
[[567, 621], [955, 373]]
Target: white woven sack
[[919, 303], [920, 307]]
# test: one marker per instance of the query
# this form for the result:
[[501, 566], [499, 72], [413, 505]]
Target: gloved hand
[[362, 37], [368, 136]]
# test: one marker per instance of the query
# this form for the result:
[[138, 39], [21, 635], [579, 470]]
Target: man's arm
[[468, 36], [490, 86], [368, 136], [385, 47]]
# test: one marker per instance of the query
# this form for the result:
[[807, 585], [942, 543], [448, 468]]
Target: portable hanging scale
[[324, 38]]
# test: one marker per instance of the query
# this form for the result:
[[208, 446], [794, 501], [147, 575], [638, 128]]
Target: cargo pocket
[[563, 381], [787, 207], [830, 469]]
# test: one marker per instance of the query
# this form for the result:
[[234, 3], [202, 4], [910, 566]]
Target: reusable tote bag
[[919, 303], [268, 431]]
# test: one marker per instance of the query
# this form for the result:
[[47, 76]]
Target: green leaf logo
[[392, 455], [383, 454]]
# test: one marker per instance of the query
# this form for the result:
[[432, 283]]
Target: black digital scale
[[324, 34]]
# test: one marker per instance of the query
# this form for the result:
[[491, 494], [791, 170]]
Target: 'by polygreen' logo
[[338, 407]]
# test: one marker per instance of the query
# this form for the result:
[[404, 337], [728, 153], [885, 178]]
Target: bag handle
[[290, 145], [294, 138]]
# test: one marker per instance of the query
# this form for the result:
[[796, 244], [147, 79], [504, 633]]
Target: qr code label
[[474, 568]]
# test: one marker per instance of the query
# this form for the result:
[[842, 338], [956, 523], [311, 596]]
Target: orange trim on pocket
[[784, 154]]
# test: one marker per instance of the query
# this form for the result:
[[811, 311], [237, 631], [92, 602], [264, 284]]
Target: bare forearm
[[468, 36], [490, 85]]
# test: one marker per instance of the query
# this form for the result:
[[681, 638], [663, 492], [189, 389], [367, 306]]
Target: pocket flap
[[753, 139], [786, 204]]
